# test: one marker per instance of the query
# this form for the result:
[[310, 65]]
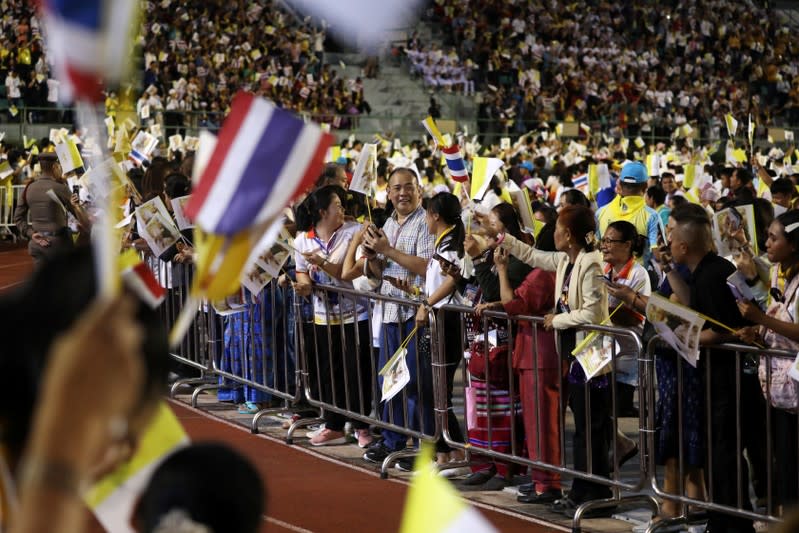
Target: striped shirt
[[411, 238]]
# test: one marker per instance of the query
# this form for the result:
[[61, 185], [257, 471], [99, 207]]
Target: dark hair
[[580, 221], [786, 219], [509, 217], [657, 194], [213, 484], [407, 170], [783, 186], [575, 197], [307, 213], [448, 207], [41, 310], [177, 185], [152, 183], [764, 216], [690, 213], [545, 241], [47, 165], [633, 188], [744, 175], [329, 173], [630, 234], [678, 200]]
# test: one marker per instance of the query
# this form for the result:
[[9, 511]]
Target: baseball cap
[[634, 172], [528, 165]]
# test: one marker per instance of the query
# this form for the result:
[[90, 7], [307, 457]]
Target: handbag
[[494, 367], [782, 393]]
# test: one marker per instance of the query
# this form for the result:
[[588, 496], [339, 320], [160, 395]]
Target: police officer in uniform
[[47, 230]]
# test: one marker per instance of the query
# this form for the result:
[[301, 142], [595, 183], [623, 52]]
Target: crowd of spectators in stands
[[638, 67], [196, 56]]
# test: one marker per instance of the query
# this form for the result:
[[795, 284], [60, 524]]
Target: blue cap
[[528, 165], [634, 172], [341, 160]]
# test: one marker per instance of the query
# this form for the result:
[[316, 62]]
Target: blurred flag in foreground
[[88, 42], [434, 506], [264, 157]]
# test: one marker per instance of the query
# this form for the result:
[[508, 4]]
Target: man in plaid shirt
[[401, 252]]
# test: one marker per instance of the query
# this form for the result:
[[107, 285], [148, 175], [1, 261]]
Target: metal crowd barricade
[[192, 351], [256, 348], [632, 348], [337, 379], [7, 206], [735, 375]]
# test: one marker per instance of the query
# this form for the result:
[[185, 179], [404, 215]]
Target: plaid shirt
[[411, 238]]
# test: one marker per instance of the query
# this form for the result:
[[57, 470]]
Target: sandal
[[249, 408]]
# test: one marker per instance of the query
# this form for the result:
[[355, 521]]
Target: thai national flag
[[263, 158], [581, 182], [88, 42], [141, 280], [455, 163]]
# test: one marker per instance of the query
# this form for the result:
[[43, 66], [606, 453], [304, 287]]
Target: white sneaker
[[455, 472], [311, 434]]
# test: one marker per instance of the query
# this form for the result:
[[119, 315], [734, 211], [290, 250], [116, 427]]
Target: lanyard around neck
[[443, 234]]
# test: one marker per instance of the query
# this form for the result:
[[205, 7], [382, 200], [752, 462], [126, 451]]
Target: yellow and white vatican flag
[[113, 497], [434, 506], [483, 170], [732, 124]]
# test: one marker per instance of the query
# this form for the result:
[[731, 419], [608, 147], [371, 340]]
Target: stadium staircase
[[399, 101]]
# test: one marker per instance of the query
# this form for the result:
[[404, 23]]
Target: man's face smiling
[[403, 191]]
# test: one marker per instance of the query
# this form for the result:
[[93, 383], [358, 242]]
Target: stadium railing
[[335, 372]]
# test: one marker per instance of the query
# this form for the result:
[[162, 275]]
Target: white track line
[[10, 285], [286, 525], [368, 471], [16, 264]]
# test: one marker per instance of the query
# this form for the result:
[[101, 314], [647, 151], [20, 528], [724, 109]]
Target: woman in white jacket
[[580, 299]]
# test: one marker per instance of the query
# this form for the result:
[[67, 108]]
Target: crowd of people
[[588, 256], [191, 60], [635, 67]]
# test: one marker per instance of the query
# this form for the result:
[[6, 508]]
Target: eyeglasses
[[408, 187], [606, 240]]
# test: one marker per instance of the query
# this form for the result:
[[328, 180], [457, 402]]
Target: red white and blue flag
[[455, 163], [88, 42], [581, 182], [264, 157]]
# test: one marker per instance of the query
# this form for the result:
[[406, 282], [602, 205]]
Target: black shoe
[[602, 512], [526, 489], [560, 506], [480, 477], [548, 496], [405, 464], [377, 452]]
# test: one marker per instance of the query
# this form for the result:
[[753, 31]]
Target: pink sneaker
[[328, 437], [364, 438]]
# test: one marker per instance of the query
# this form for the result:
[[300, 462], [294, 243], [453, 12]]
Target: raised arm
[[529, 255]]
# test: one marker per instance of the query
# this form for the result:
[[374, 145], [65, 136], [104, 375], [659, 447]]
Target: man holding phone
[[400, 251]]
